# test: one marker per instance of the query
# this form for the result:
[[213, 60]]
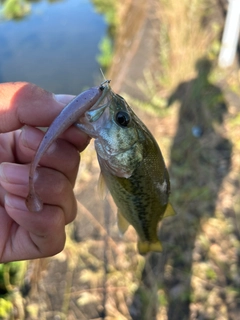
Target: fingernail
[[63, 98], [15, 202], [2, 173]]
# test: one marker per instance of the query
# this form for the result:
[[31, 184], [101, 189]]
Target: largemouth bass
[[132, 167]]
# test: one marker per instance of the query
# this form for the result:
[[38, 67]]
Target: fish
[[132, 168], [131, 163]]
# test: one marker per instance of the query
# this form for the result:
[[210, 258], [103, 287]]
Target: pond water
[[54, 46]]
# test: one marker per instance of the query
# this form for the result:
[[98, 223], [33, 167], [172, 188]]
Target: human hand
[[26, 235]]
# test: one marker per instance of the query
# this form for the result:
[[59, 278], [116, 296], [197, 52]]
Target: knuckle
[[56, 235], [51, 183], [72, 212], [56, 246], [61, 186]]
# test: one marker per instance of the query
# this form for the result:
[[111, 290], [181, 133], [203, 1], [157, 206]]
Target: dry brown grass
[[184, 37]]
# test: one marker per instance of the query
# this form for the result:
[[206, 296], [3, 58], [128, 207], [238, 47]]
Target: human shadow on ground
[[200, 160]]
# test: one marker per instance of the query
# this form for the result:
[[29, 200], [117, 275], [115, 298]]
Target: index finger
[[25, 103]]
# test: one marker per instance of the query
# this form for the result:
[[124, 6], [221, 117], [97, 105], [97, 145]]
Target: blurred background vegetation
[[162, 57]]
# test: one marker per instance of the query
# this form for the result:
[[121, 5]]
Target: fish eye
[[122, 118]]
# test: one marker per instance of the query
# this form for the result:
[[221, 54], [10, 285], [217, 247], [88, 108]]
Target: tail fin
[[144, 247]]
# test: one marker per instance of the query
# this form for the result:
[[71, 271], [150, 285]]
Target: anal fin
[[169, 211]]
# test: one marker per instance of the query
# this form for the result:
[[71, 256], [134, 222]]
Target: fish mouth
[[93, 115]]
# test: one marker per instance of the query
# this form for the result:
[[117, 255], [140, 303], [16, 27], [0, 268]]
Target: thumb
[[25, 103]]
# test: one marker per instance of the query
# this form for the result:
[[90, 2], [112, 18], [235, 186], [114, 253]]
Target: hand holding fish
[[24, 235], [132, 165]]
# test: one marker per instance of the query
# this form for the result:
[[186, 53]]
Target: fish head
[[117, 134]]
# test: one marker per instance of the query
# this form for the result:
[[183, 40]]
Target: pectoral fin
[[122, 223], [169, 211], [101, 187]]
